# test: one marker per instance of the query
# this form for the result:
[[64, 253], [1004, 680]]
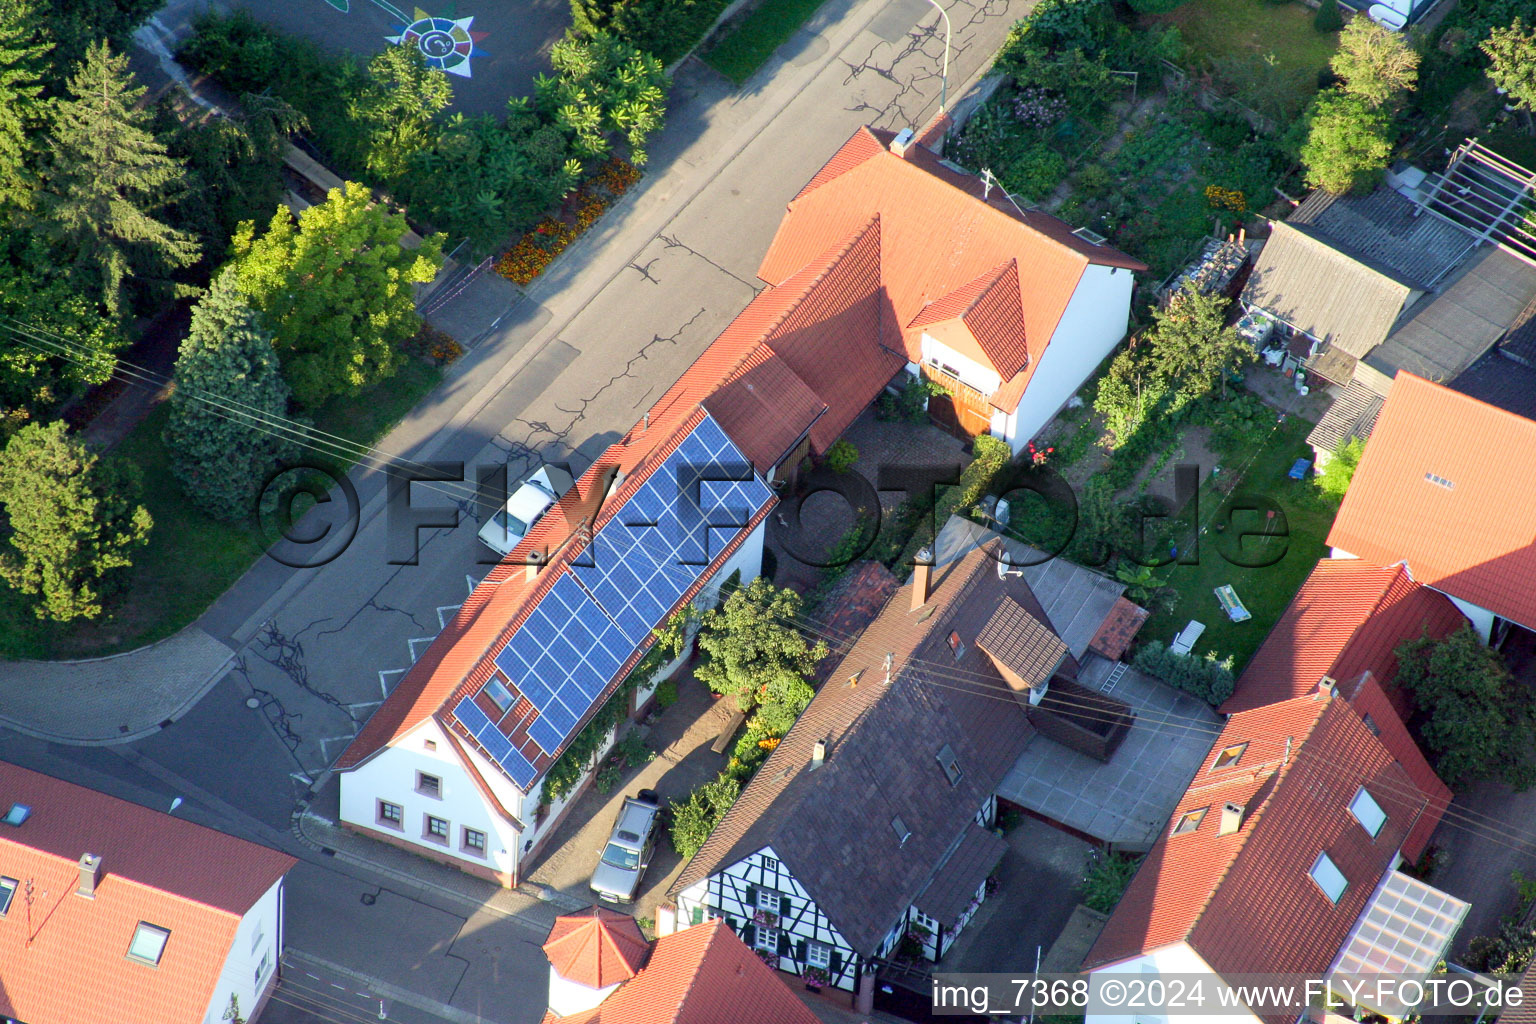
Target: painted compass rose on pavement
[[447, 43]]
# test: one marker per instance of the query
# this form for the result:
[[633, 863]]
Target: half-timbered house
[[867, 832]]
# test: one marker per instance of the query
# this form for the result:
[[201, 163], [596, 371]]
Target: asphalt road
[[555, 374]]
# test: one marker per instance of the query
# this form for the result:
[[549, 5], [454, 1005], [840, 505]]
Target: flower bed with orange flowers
[[550, 237]]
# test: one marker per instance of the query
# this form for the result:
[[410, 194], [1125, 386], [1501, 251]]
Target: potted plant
[[771, 959], [815, 977], [766, 917]]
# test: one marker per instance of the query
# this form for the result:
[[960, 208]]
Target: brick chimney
[[922, 578], [90, 875], [536, 561]]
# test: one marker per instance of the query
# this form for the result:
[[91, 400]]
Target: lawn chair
[[1185, 641], [1231, 604]]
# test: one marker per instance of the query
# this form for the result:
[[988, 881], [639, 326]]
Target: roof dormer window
[[1189, 821], [148, 944], [1228, 756]]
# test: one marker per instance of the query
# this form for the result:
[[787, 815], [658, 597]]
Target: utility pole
[[944, 77]]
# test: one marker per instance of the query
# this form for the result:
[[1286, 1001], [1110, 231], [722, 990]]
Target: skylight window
[[1368, 812], [1229, 755], [951, 764], [1439, 481], [1189, 821], [499, 694], [7, 893], [1329, 878], [900, 828], [17, 814], [148, 943], [955, 646]]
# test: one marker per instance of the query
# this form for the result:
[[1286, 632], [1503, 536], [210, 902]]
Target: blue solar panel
[[546, 735], [636, 569], [518, 767], [472, 718], [495, 744]]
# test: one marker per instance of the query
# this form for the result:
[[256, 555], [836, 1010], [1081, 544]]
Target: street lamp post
[[944, 80]]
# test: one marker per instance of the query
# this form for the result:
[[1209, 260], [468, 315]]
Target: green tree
[[105, 177], [23, 66], [46, 315], [1347, 142], [335, 290], [74, 519], [751, 651], [1511, 54], [603, 86], [228, 380], [1333, 479], [1328, 19], [1376, 64], [77, 25], [1473, 718], [1191, 343], [396, 110], [695, 818]]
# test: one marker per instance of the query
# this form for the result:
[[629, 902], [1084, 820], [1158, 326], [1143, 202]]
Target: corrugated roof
[[701, 975], [1384, 229], [1446, 332], [190, 880], [830, 826], [1448, 484], [1311, 285], [1245, 902], [1352, 414]]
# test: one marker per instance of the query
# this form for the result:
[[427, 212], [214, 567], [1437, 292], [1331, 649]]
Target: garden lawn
[[740, 53], [1253, 31], [1264, 591], [190, 559]]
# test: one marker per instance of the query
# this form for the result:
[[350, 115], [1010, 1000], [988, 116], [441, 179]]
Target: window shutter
[[785, 906], [698, 915], [751, 895], [749, 934], [836, 966], [783, 944], [800, 949]]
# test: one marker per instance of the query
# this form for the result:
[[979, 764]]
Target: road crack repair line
[[894, 113], [672, 242], [561, 437]]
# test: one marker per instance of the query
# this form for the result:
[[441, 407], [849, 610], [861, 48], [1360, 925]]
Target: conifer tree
[[74, 519], [106, 177], [229, 390], [23, 65]]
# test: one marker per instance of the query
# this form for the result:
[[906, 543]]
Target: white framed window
[[818, 954], [1328, 877], [769, 864], [1368, 812], [767, 939], [263, 967], [148, 943]]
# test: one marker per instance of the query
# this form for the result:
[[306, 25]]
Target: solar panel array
[[604, 606]]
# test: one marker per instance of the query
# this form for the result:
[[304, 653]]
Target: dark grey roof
[[1352, 414], [1499, 380], [1076, 600], [1381, 231], [1445, 332], [831, 826], [1520, 343], [1314, 286], [954, 885]]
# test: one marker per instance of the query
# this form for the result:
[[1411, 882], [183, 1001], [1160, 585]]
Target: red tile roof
[[937, 238], [1120, 627], [1348, 617], [596, 948], [989, 308], [1448, 484], [166, 871], [766, 406], [701, 975], [1245, 902]]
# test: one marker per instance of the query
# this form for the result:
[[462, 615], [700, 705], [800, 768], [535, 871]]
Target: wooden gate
[[964, 412]]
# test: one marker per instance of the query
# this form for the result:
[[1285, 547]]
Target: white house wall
[[1177, 958], [1093, 324], [251, 963], [391, 776], [982, 378], [1482, 618], [724, 894]]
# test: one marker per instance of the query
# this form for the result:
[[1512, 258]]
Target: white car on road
[[507, 528]]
